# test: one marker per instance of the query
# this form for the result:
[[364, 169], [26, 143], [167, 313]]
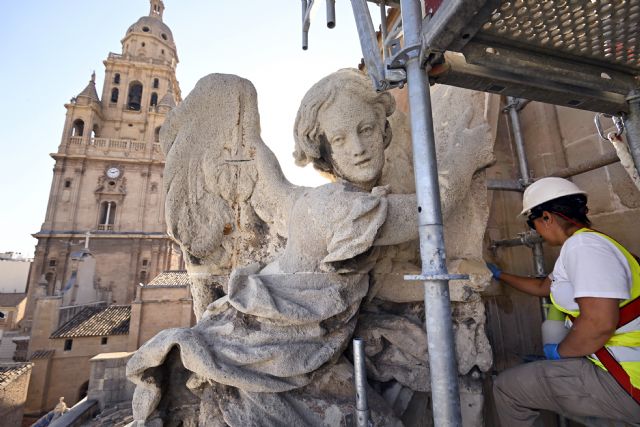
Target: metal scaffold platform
[[577, 53]]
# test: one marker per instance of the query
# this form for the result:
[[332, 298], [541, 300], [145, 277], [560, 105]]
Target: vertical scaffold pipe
[[360, 379], [518, 139], [442, 356], [305, 25], [331, 13], [632, 126]]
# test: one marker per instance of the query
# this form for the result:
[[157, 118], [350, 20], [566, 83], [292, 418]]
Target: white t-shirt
[[589, 265]]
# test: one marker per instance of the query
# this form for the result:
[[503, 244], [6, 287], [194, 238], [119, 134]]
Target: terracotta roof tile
[[11, 300], [11, 371], [42, 354], [96, 321], [171, 278]]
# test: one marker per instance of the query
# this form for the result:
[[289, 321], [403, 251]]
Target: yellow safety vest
[[624, 345]]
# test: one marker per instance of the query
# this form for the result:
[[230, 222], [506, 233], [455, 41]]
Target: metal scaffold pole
[[442, 356]]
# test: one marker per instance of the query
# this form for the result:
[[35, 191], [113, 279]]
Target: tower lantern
[[157, 8]]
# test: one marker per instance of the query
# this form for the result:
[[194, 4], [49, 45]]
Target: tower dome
[[150, 31], [153, 26]]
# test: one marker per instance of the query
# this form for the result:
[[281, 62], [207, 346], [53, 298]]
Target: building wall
[[108, 382], [13, 276], [12, 399], [68, 371], [13, 315], [64, 372], [44, 323], [613, 199], [38, 386], [156, 309], [121, 263]]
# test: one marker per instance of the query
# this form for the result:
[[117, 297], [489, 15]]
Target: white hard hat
[[546, 189]]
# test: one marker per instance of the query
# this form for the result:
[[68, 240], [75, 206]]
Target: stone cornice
[[100, 234], [147, 161]]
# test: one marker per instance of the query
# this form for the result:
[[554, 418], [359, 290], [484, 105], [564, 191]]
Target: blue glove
[[551, 352], [495, 271]]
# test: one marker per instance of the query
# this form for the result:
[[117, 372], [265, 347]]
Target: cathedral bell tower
[[107, 178]]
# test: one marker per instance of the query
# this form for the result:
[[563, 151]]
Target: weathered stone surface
[[622, 149], [268, 347]]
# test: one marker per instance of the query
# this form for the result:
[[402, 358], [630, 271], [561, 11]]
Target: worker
[[595, 370]]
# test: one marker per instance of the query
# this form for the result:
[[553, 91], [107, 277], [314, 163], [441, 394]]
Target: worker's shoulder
[[589, 239]]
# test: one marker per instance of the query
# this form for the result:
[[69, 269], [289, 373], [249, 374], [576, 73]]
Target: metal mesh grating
[[599, 30]]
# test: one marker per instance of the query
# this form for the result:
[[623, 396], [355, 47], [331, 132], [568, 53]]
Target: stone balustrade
[[140, 58], [75, 143]]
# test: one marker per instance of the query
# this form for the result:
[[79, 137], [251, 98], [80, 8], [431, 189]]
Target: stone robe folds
[[278, 331]]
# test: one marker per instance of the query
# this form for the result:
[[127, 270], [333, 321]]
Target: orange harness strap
[[628, 313]]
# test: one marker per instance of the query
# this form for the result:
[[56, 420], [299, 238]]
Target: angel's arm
[[401, 224], [274, 195]]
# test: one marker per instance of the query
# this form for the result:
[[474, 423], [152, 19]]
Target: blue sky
[[49, 49]]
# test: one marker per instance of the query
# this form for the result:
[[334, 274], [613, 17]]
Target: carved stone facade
[[108, 171]]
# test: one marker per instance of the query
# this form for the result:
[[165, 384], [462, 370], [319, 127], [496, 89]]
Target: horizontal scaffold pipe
[[605, 160]]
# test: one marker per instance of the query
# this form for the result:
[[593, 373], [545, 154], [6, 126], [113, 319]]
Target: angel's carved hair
[[308, 133]]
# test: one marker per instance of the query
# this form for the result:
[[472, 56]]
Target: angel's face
[[354, 134]]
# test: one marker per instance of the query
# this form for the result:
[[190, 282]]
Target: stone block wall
[[156, 309], [70, 371], [46, 322], [613, 199], [108, 384], [38, 387]]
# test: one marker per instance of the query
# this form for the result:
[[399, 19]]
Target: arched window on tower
[[116, 78], [78, 128], [49, 277], [135, 96], [156, 83], [107, 216], [154, 99], [114, 95], [156, 134]]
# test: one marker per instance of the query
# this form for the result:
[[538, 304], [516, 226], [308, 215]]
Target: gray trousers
[[568, 387]]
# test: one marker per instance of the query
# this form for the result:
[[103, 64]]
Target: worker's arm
[[529, 285], [593, 328]]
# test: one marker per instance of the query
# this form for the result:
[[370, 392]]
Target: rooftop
[[10, 371], [95, 322], [11, 300], [41, 354], [170, 279]]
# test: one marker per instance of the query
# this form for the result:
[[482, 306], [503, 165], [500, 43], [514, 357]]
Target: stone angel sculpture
[[269, 352], [268, 346]]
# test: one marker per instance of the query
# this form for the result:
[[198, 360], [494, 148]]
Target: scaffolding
[[582, 54]]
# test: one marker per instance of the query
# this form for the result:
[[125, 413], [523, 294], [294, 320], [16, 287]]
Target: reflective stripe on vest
[[624, 345]]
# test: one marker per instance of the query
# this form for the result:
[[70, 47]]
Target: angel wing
[[227, 200]]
